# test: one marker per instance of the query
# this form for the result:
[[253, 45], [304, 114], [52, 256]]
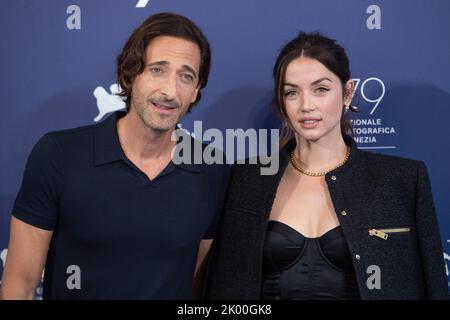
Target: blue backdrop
[[58, 71]]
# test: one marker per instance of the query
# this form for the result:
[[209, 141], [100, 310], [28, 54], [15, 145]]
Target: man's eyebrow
[[320, 80], [165, 63], [191, 70], [158, 63]]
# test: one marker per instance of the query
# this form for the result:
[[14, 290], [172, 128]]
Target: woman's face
[[313, 99]]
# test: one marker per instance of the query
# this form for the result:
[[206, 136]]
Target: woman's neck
[[320, 155]]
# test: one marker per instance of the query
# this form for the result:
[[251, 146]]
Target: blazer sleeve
[[430, 244]]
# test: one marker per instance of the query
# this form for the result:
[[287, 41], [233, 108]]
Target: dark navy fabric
[[131, 237]]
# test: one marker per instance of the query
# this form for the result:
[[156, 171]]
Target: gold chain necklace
[[316, 174]]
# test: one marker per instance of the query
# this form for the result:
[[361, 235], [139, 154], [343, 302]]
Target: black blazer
[[370, 191]]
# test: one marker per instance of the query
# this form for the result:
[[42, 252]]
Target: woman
[[335, 222]]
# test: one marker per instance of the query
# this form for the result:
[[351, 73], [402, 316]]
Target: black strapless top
[[297, 267]]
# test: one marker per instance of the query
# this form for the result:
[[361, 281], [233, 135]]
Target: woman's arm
[[430, 244]]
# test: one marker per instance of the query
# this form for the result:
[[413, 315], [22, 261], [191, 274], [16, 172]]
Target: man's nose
[[169, 87]]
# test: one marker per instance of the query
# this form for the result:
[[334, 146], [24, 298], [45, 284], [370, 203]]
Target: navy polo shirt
[[128, 236]]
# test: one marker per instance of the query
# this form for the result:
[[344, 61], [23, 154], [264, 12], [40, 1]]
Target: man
[[104, 208]]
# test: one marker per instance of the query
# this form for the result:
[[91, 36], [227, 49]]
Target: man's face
[[163, 92]]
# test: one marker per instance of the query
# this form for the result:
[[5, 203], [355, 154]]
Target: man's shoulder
[[67, 144], [214, 159], [71, 134], [59, 138], [204, 154]]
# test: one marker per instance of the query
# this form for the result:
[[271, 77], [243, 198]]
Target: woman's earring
[[353, 108]]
